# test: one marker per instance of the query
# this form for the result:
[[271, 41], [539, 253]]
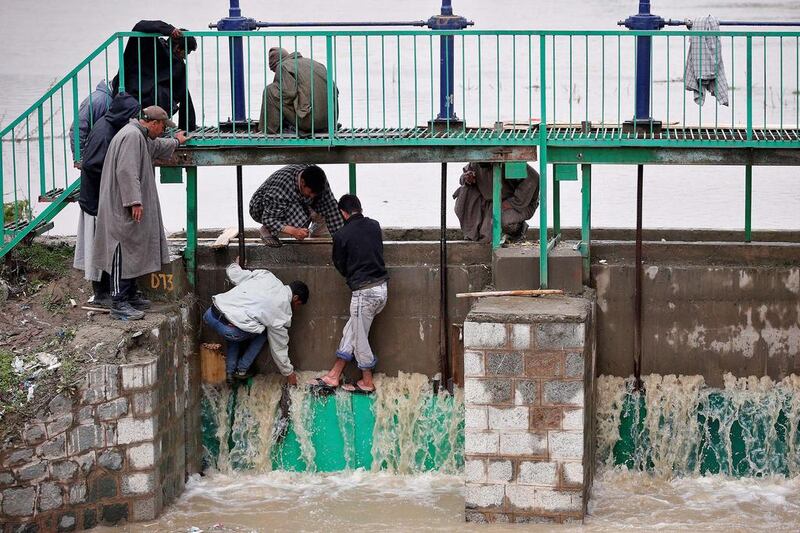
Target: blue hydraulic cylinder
[[643, 20], [236, 22], [447, 21]]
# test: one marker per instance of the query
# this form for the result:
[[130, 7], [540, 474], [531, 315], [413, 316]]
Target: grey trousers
[[365, 304]]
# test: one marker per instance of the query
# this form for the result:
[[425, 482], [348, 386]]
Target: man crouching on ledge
[[257, 310]]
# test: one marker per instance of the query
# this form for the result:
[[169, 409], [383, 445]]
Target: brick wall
[[115, 450], [525, 363]]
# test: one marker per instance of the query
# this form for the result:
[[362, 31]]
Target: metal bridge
[[567, 99]]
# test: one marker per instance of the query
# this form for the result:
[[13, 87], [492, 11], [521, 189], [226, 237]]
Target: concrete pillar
[[528, 367]]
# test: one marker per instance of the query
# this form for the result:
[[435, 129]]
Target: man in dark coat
[[162, 63], [358, 256], [122, 108]]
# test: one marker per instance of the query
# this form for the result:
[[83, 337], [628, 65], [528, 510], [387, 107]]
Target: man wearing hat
[[129, 236]]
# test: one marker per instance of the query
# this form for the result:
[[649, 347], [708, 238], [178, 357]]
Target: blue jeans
[[237, 341]]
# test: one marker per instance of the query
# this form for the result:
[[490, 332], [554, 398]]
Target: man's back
[[358, 252]]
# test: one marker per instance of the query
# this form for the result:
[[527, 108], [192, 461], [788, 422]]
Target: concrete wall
[[708, 308], [528, 384], [405, 336], [119, 448]]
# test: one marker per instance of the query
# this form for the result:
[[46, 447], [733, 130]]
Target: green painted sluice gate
[[337, 432], [731, 433]]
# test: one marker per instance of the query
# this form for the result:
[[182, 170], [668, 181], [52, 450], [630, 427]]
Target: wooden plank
[[524, 292], [224, 238]]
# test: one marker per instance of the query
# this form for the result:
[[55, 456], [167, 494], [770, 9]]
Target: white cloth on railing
[[705, 70]]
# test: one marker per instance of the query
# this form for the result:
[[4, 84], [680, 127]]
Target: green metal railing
[[557, 90]]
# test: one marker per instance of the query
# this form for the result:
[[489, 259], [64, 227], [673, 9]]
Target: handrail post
[[76, 117], [543, 274], [497, 201], [40, 127], [2, 192], [748, 202], [190, 254], [750, 88], [331, 100], [351, 167], [586, 218], [121, 67]]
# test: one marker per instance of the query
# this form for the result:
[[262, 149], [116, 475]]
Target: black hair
[[314, 178], [299, 289], [349, 203], [188, 44]]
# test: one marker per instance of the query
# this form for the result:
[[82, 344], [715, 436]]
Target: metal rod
[[444, 318], [240, 214], [191, 224], [332, 24], [637, 295]]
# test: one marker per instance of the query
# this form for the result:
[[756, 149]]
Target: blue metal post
[[236, 22], [447, 21], [643, 20]]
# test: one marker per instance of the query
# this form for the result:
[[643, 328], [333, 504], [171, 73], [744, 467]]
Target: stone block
[[559, 392], [85, 414], [558, 501], [6, 478], [520, 496], [63, 470], [482, 496], [559, 335], [520, 336], [29, 472], [487, 391], [113, 409], [523, 444], [476, 418], [475, 471], [500, 471], [85, 461], [537, 473], [142, 456], [61, 404], [89, 518], [510, 418], [104, 487], [572, 474], [59, 424], [19, 501], [475, 517], [19, 456], [54, 448], [110, 459], [504, 364], [566, 445], [50, 497], [77, 493], [546, 418], [481, 442], [138, 484], [473, 364], [67, 522], [114, 513], [144, 509], [34, 433], [534, 519], [101, 384], [85, 437], [525, 392], [139, 375], [544, 365], [484, 335], [573, 419], [574, 365], [131, 430], [144, 402]]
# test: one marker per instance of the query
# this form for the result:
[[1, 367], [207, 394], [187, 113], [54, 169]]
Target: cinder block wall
[[116, 450], [527, 368]]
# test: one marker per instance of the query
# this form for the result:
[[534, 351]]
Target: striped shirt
[[278, 203]]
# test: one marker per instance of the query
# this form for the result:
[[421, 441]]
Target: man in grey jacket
[[257, 310]]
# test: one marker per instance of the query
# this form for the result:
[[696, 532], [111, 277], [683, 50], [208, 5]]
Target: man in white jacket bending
[[257, 310]]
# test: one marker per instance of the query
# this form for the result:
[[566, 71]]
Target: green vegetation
[[11, 392], [18, 209]]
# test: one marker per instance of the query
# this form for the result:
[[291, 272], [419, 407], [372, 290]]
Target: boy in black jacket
[[358, 256]]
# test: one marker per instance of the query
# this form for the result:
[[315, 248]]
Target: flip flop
[[319, 387], [356, 389]]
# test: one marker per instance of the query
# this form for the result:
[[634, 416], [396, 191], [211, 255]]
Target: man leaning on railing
[[162, 65]]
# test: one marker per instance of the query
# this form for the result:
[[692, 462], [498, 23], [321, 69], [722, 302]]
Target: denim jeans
[[365, 304], [237, 341]]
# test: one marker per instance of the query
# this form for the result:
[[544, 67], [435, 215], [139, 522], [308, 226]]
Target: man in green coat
[[298, 95]]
